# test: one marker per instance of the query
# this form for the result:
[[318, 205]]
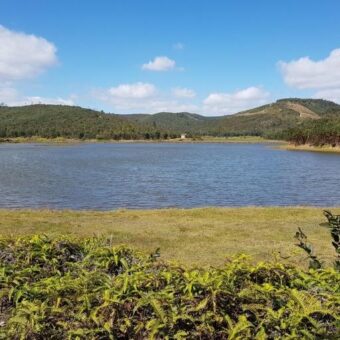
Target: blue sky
[[210, 57]]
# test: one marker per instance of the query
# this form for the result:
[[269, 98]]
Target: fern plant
[[334, 225], [67, 288]]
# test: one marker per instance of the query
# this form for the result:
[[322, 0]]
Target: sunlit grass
[[306, 147], [203, 236]]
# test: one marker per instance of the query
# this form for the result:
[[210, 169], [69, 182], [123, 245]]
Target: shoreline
[[205, 139], [311, 148]]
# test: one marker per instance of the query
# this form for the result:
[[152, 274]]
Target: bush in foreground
[[84, 289]]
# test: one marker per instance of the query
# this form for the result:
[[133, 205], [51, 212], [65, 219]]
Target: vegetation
[[315, 133], [66, 287], [270, 120], [52, 121], [285, 118], [87, 289], [334, 225], [193, 237]]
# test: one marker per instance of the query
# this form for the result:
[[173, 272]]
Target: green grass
[[201, 237]]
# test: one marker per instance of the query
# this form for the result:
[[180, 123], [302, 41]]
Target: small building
[[183, 136]]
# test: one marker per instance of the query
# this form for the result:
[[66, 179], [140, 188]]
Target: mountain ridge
[[77, 122]]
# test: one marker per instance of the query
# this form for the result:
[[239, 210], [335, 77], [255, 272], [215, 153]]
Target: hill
[[75, 122], [52, 121], [267, 120], [174, 122]]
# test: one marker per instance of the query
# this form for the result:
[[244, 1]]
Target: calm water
[[109, 176]]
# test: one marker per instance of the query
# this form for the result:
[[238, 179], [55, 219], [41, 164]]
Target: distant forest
[[301, 121], [317, 133], [52, 121]]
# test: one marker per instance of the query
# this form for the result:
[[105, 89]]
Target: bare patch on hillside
[[303, 111]]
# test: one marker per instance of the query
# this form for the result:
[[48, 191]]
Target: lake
[[155, 175]]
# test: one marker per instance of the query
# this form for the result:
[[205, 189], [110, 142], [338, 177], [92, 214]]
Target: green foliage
[[317, 133], [334, 225], [86, 289], [51, 121], [314, 262]]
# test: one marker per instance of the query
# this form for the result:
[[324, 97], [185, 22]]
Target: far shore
[[280, 144], [312, 148], [203, 139]]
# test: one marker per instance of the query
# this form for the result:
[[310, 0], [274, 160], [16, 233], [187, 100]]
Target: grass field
[[203, 236]]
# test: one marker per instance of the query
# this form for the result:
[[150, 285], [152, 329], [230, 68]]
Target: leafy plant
[[334, 225], [66, 288], [314, 262]]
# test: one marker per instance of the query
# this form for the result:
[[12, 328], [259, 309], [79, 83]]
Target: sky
[[145, 56]]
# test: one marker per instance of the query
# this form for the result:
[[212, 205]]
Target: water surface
[[110, 176]]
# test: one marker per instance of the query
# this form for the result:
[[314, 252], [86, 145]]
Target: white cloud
[[141, 97], [136, 90], [329, 94], [178, 46], [8, 95], [44, 100], [12, 97], [24, 56], [227, 103], [182, 92], [160, 64], [306, 73]]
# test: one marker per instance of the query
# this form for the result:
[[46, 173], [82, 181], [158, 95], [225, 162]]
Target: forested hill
[[177, 123], [52, 121], [284, 114], [272, 120]]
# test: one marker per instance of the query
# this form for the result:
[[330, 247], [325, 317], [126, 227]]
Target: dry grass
[[203, 236], [306, 147]]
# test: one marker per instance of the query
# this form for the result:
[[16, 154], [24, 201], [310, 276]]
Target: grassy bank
[[202, 236], [203, 139], [306, 147]]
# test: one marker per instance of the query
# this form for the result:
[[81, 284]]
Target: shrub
[[86, 289]]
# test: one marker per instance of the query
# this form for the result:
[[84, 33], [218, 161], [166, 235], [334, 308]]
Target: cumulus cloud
[[8, 95], [182, 92], [329, 94], [127, 96], [221, 103], [24, 56], [141, 97], [306, 73], [44, 100], [160, 64], [12, 97], [133, 91]]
